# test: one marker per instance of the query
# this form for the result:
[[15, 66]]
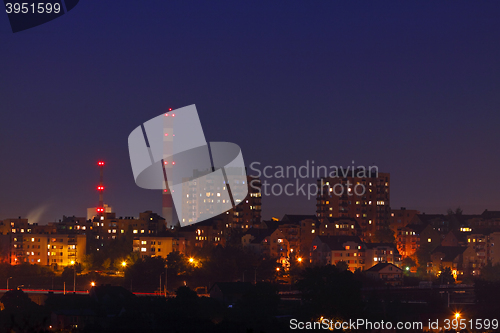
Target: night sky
[[412, 88]]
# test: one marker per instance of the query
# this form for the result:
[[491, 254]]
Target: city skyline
[[409, 88]]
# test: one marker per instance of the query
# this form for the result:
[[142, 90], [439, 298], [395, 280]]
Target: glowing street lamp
[[277, 269], [457, 315], [72, 262], [124, 264], [191, 260], [92, 284], [299, 259]]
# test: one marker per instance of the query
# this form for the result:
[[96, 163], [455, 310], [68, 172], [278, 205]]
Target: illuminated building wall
[[338, 197]]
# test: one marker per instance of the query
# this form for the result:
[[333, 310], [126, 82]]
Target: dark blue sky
[[410, 87]]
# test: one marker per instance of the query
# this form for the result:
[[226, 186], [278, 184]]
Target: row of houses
[[463, 243]]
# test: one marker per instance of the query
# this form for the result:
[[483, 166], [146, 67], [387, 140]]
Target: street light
[[299, 259], [277, 269], [191, 260], [92, 284], [74, 275], [124, 264], [457, 315]]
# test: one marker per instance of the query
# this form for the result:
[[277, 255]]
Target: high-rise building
[[155, 246], [364, 196], [203, 198], [44, 249]]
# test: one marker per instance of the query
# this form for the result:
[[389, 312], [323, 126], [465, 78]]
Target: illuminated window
[[429, 240], [143, 249], [347, 247], [135, 231]]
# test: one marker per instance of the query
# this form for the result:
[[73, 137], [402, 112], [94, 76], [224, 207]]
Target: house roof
[[337, 242], [490, 214], [271, 225], [450, 252], [258, 234], [374, 245], [340, 219], [460, 236], [418, 228], [380, 266], [296, 219]]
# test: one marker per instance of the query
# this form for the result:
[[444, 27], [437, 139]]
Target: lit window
[[143, 249], [135, 231], [429, 240]]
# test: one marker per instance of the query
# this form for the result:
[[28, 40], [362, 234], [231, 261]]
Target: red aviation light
[[100, 188], [100, 163]]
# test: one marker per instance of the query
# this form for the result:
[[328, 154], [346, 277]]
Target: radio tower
[[100, 189]]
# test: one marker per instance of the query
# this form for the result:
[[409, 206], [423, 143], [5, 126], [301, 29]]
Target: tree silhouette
[[445, 277], [326, 291]]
